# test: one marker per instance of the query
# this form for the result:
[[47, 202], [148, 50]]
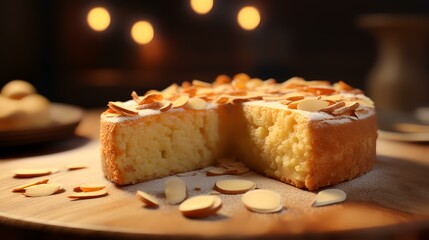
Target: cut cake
[[309, 134]]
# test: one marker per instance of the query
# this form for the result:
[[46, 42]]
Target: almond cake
[[309, 134]]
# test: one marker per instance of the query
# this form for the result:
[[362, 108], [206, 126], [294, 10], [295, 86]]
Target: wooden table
[[390, 201]]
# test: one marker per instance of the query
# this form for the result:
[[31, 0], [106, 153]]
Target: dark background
[[50, 44]]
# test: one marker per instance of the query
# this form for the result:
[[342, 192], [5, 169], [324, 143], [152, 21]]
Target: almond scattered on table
[[175, 190], [148, 199], [22, 187], [200, 206], [41, 190], [76, 166], [329, 196], [89, 187], [85, 195], [234, 186], [32, 172], [262, 201]]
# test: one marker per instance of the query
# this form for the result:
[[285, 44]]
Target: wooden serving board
[[393, 196]]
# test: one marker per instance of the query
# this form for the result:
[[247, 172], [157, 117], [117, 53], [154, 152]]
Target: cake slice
[[309, 134]]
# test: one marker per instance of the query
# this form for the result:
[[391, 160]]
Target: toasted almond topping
[[312, 105], [76, 166], [170, 91], [222, 79], [150, 98], [321, 90], [135, 97], [234, 186], [294, 97], [154, 105], [166, 105], [332, 107], [32, 172], [85, 195], [148, 199], [42, 190], [198, 83], [243, 77], [222, 99], [91, 187], [343, 86], [175, 190], [262, 201], [196, 103], [191, 91], [186, 84], [22, 187], [329, 196], [361, 113], [200, 206], [180, 102], [123, 109], [288, 103], [348, 110]]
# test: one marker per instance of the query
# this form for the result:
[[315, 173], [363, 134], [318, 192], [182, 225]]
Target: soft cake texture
[[305, 149]]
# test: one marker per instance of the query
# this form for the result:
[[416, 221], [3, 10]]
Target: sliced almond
[[343, 86], [196, 103], [331, 108], [135, 97], [223, 99], [151, 97], [222, 79], [154, 105], [91, 187], [241, 77], [234, 186], [198, 83], [123, 109], [312, 105], [237, 170], [76, 166], [329, 196], [148, 199], [321, 90], [262, 201], [229, 162], [22, 187], [216, 171], [166, 105], [85, 195], [294, 97], [170, 91], [175, 190], [42, 190], [200, 206], [31, 172], [180, 102], [347, 110]]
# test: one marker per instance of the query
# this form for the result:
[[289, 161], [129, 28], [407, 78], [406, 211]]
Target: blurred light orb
[[98, 19], [202, 6], [142, 32], [248, 18]]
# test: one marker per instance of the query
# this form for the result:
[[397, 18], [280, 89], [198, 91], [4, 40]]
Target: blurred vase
[[399, 80]]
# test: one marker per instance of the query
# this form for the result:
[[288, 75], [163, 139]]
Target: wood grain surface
[[391, 199]]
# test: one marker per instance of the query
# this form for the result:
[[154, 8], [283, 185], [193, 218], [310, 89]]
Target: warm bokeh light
[[142, 32], [98, 19], [249, 18], [202, 6]]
